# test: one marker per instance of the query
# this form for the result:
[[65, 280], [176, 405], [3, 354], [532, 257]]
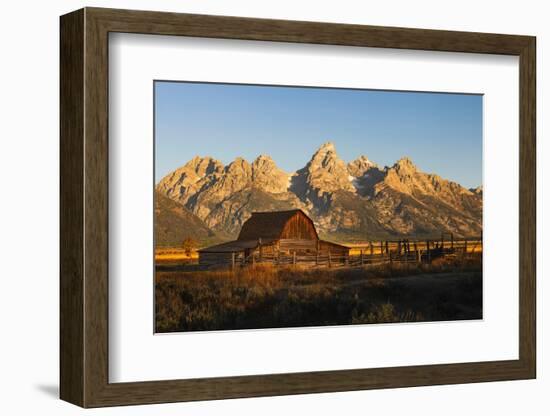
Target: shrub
[[264, 296]]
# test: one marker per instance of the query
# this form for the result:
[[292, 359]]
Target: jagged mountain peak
[[263, 156], [325, 158], [325, 155], [188, 178], [477, 191], [264, 164], [238, 165], [263, 161], [326, 172], [360, 166], [358, 197], [268, 176], [405, 165], [326, 147], [364, 160], [204, 165]]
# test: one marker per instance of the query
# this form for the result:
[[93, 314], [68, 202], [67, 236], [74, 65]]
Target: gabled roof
[[266, 225]]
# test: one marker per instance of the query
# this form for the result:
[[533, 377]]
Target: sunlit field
[[172, 254]]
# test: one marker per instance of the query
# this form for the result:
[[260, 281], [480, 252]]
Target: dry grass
[[264, 296], [173, 254]]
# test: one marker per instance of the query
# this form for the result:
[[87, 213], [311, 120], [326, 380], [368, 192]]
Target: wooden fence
[[373, 252]]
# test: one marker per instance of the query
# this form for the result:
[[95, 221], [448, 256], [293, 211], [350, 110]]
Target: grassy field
[[271, 297], [172, 254]]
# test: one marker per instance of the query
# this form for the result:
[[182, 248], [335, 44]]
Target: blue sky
[[441, 133]]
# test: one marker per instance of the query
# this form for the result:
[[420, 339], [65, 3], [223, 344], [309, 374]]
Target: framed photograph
[[255, 207]]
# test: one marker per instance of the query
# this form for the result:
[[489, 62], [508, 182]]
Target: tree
[[189, 244]]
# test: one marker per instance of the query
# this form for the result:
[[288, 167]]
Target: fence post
[[294, 258], [381, 249], [371, 248], [329, 259], [452, 242], [387, 248], [317, 258], [233, 261], [362, 256], [407, 254], [474, 248], [428, 254]]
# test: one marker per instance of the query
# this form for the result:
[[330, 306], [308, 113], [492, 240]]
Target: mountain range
[[349, 202]]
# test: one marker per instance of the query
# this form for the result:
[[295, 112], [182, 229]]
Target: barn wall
[[267, 249], [299, 227], [212, 259], [288, 244]]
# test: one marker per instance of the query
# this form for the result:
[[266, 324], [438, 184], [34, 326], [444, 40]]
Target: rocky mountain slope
[[357, 201]]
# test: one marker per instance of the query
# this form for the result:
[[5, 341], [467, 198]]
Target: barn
[[270, 236]]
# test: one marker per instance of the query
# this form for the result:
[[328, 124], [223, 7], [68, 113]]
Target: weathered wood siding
[[218, 259], [299, 227], [267, 249], [295, 245]]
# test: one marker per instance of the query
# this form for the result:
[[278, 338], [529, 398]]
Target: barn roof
[[234, 246], [267, 225], [330, 243], [238, 246]]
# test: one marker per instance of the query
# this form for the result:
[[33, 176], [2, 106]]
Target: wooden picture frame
[[84, 207]]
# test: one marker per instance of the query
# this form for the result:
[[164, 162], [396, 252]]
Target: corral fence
[[372, 252], [401, 251]]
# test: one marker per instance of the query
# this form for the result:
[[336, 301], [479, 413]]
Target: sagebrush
[[270, 297]]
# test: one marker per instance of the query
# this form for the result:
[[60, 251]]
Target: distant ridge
[[174, 223]]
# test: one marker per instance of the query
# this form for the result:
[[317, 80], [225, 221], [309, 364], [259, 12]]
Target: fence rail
[[398, 251], [360, 254]]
